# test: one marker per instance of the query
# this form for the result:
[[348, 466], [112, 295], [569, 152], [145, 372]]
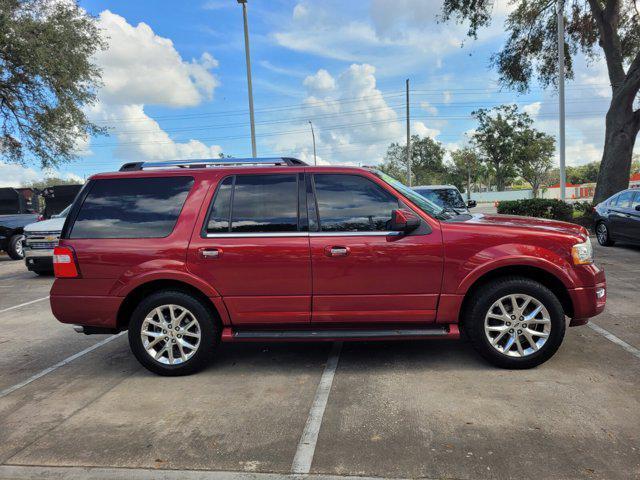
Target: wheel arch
[[546, 278], [135, 296]]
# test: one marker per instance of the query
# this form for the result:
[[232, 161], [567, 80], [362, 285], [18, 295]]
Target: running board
[[444, 331]]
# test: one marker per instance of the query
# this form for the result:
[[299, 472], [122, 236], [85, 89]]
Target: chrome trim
[[302, 234], [38, 253]]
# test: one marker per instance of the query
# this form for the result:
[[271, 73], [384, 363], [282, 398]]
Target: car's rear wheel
[[515, 322], [603, 235], [15, 247], [173, 333]]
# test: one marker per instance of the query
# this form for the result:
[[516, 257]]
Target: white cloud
[[141, 138], [447, 96], [419, 128], [320, 83], [140, 67], [429, 108], [533, 109], [14, 175]]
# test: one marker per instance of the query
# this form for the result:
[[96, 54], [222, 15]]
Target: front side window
[[131, 207], [351, 203], [255, 204], [636, 200], [624, 200]]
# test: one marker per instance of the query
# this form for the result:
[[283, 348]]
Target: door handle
[[211, 252], [337, 251]]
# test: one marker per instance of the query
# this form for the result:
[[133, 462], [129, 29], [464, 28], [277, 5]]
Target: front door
[[362, 272], [254, 249]]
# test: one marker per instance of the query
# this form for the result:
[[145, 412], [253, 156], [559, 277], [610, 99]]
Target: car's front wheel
[[15, 247], [603, 235], [515, 322], [173, 333]]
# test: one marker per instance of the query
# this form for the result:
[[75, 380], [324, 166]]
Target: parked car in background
[[617, 219], [40, 240], [57, 198], [446, 196], [18, 208], [187, 254]]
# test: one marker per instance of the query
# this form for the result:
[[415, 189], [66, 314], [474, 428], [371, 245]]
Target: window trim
[[347, 234], [205, 234], [67, 228]]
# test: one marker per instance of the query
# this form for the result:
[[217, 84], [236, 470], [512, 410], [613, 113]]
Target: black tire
[[482, 300], [43, 273], [208, 325], [603, 235], [14, 247]]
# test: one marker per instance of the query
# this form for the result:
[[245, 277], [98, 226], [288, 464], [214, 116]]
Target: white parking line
[[24, 304], [307, 444], [610, 336], [61, 363]]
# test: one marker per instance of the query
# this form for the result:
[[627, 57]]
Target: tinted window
[[221, 210], [131, 208], [350, 203], [444, 197], [255, 204], [636, 200], [624, 200]]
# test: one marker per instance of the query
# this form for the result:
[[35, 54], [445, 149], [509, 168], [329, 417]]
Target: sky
[[174, 83]]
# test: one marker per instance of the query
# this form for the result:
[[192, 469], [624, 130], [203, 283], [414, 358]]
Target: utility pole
[[468, 180], [250, 88], [561, 146], [408, 140], [313, 135]]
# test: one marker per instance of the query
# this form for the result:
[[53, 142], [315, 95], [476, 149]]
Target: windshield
[[424, 204], [444, 197], [63, 213]]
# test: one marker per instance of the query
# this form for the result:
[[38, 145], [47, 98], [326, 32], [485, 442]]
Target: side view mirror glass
[[404, 221], [471, 203], [638, 208]]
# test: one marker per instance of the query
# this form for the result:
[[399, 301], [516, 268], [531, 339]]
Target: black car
[[617, 219]]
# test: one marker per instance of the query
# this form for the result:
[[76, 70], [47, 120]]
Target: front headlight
[[582, 253]]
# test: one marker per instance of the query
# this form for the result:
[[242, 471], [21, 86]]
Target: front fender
[[507, 255]]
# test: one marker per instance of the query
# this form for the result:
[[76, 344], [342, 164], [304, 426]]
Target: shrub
[[583, 208], [538, 207]]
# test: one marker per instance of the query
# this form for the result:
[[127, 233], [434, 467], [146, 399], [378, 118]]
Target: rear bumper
[[86, 310], [587, 302], [38, 263]]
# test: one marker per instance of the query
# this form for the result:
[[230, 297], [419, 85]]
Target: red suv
[[188, 254]]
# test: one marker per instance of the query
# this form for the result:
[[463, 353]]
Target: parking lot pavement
[[407, 409]]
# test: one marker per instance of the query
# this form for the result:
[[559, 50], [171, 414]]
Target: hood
[[530, 223], [51, 225], [18, 220]]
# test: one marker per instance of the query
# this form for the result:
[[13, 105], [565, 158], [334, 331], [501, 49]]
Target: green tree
[[611, 27], [427, 161], [534, 152], [498, 133], [46, 78], [465, 169]]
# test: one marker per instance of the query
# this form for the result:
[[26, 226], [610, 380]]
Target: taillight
[[64, 263]]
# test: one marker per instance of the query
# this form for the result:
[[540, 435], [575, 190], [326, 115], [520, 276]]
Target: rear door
[[634, 219], [254, 249], [362, 272]]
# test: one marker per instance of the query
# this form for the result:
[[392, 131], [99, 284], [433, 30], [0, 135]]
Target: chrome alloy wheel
[[20, 246], [517, 325], [602, 233], [170, 334]]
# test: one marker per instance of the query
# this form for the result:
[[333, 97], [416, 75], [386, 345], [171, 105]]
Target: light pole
[[561, 144], [408, 140], [248, 56], [313, 135]]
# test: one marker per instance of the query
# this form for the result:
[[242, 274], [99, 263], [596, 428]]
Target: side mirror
[[638, 208], [471, 203], [404, 221]]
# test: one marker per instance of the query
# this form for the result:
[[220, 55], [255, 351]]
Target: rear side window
[[351, 203], [131, 208], [636, 200], [255, 204]]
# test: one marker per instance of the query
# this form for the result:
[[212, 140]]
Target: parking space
[[391, 410]]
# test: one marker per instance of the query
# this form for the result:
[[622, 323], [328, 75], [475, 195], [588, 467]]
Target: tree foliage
[[50, 182], [427, 161], [46, 78], [466, 169], [595, 28], [534, 157]]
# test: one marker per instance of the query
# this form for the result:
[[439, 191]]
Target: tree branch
[[609, 39]]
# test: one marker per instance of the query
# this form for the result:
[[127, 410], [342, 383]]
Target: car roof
[[433, 187]]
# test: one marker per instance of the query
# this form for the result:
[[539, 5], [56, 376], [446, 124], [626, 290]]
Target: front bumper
[[587, 302], [38, 260]]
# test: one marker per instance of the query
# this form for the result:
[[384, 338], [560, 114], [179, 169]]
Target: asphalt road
[[391, 410]]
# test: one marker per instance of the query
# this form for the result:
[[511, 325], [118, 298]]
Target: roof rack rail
[[212, 162]]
